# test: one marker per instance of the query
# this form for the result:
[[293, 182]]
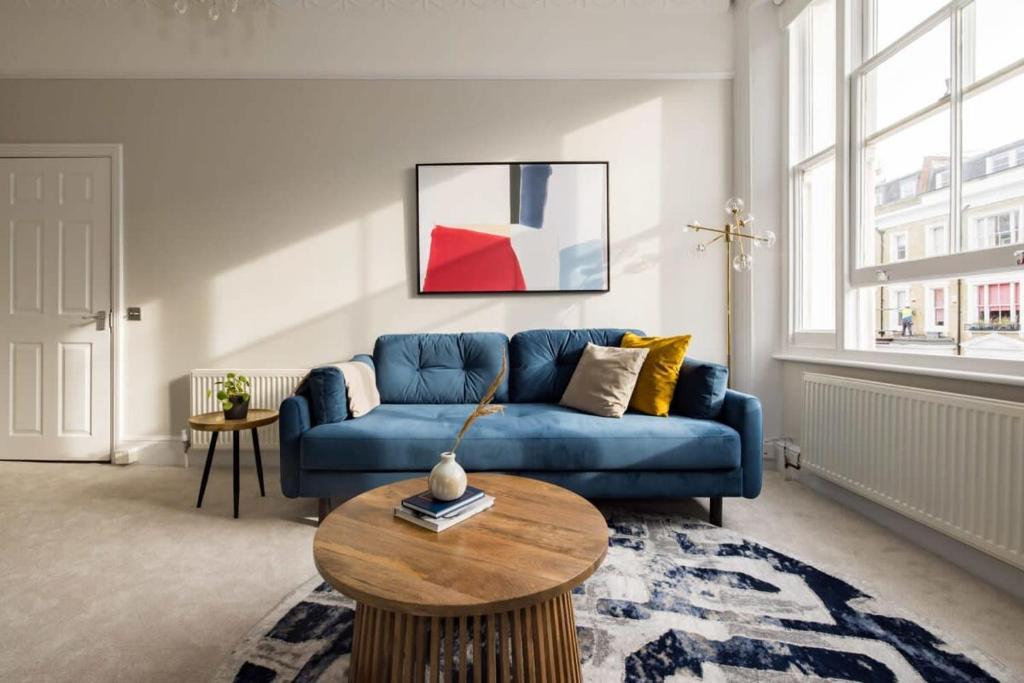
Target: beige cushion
[[604, 380]]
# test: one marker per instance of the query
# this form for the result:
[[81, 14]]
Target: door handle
[[100, 319]]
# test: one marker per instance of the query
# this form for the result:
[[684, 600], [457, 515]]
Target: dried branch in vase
[[484, 407]]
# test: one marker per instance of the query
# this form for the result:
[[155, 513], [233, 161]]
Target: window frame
[[799, 144], [951, 264], [849, 345]]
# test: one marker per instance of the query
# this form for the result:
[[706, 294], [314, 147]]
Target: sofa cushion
[[656, 384], [603, 380], [542, 361], [528, 436], [439, 368], [700, 389], [328, 399]]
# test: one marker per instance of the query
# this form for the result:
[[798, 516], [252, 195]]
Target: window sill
[[995, 372]]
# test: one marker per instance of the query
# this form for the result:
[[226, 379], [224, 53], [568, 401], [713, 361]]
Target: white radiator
[[269, 388], [953, 462]]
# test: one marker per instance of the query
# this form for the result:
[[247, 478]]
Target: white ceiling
[[369, 39]]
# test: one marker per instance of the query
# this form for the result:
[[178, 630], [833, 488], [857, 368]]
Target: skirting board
[[984, 566], [169, 452]]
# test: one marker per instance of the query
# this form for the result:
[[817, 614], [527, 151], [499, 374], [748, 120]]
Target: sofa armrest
[[365, 358], [743, 413], [294, 423]]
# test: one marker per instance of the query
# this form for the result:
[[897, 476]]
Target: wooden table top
[[536, 542], [215, 422]]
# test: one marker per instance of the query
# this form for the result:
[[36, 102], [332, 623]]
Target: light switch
[[134, 313]]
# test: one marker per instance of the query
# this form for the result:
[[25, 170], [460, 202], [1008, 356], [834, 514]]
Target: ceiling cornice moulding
[[673, 6]]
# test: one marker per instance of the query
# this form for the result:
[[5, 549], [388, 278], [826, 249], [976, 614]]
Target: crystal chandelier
[[735, 234], [213, 8]]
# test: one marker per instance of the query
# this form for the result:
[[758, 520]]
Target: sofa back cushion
[[439, 368], [542, 361]]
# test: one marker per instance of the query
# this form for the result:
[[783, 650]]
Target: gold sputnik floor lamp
[[737, 256]]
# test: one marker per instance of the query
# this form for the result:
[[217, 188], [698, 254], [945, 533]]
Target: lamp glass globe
[[742, 262], [734, 205]]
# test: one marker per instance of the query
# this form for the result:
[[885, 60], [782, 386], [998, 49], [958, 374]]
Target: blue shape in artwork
[[533, 194], [581, 266]]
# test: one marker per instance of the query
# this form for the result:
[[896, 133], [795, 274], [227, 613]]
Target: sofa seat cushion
[[527, 436]]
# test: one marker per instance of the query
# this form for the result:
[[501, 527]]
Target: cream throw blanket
[[360, 386]]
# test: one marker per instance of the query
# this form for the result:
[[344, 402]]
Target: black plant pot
[[238, 410]]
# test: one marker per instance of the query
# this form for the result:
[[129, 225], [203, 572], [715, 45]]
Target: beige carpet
[[111, 574]]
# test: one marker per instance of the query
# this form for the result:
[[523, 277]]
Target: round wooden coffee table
[[486, 600]]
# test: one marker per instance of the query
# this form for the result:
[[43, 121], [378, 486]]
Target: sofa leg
[[716, 510], [323, 508]]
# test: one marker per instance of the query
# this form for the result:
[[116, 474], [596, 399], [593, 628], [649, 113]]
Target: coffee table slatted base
[[536, 643]]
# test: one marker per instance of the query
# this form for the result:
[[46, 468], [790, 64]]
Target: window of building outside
[[898, 246], [936, 312], [936, 240], [996, 230]]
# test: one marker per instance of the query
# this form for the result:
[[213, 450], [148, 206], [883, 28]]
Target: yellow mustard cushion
[[657, 381]]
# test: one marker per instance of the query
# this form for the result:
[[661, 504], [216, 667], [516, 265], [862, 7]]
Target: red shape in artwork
[[469, 261]]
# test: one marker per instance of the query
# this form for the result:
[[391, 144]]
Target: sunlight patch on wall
[[631, 139], [287, 288]]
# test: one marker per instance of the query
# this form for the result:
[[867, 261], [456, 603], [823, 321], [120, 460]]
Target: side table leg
[[259, 461], [234, 467], [206, 468]]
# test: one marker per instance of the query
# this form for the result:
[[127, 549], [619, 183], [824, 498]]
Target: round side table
[[486, 600], [215, 423]]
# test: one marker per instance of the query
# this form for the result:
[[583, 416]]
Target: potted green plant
[[233, 394]]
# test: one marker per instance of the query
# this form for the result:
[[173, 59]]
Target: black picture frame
[[607, 230]]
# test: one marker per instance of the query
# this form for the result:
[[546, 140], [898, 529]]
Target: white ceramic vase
[[447, 480]]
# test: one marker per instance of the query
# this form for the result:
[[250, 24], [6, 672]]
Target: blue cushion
[[543, 361], [700, 390], [327, 393], [528, 436], [325, 390], [439, 368]]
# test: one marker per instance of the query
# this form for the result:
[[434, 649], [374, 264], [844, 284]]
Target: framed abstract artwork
[[512, 227]]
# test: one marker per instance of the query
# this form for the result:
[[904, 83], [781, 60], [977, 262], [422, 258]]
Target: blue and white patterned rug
[[674, 600]]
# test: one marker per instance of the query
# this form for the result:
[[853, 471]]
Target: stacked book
[[437, 515]]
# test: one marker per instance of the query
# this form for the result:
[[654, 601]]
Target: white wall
[[759, 178], [367, 38], [271, 223]]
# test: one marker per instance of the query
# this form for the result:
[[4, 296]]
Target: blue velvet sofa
[[710, 446]]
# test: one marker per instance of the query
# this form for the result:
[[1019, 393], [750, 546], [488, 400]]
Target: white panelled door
[[55, 272]]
